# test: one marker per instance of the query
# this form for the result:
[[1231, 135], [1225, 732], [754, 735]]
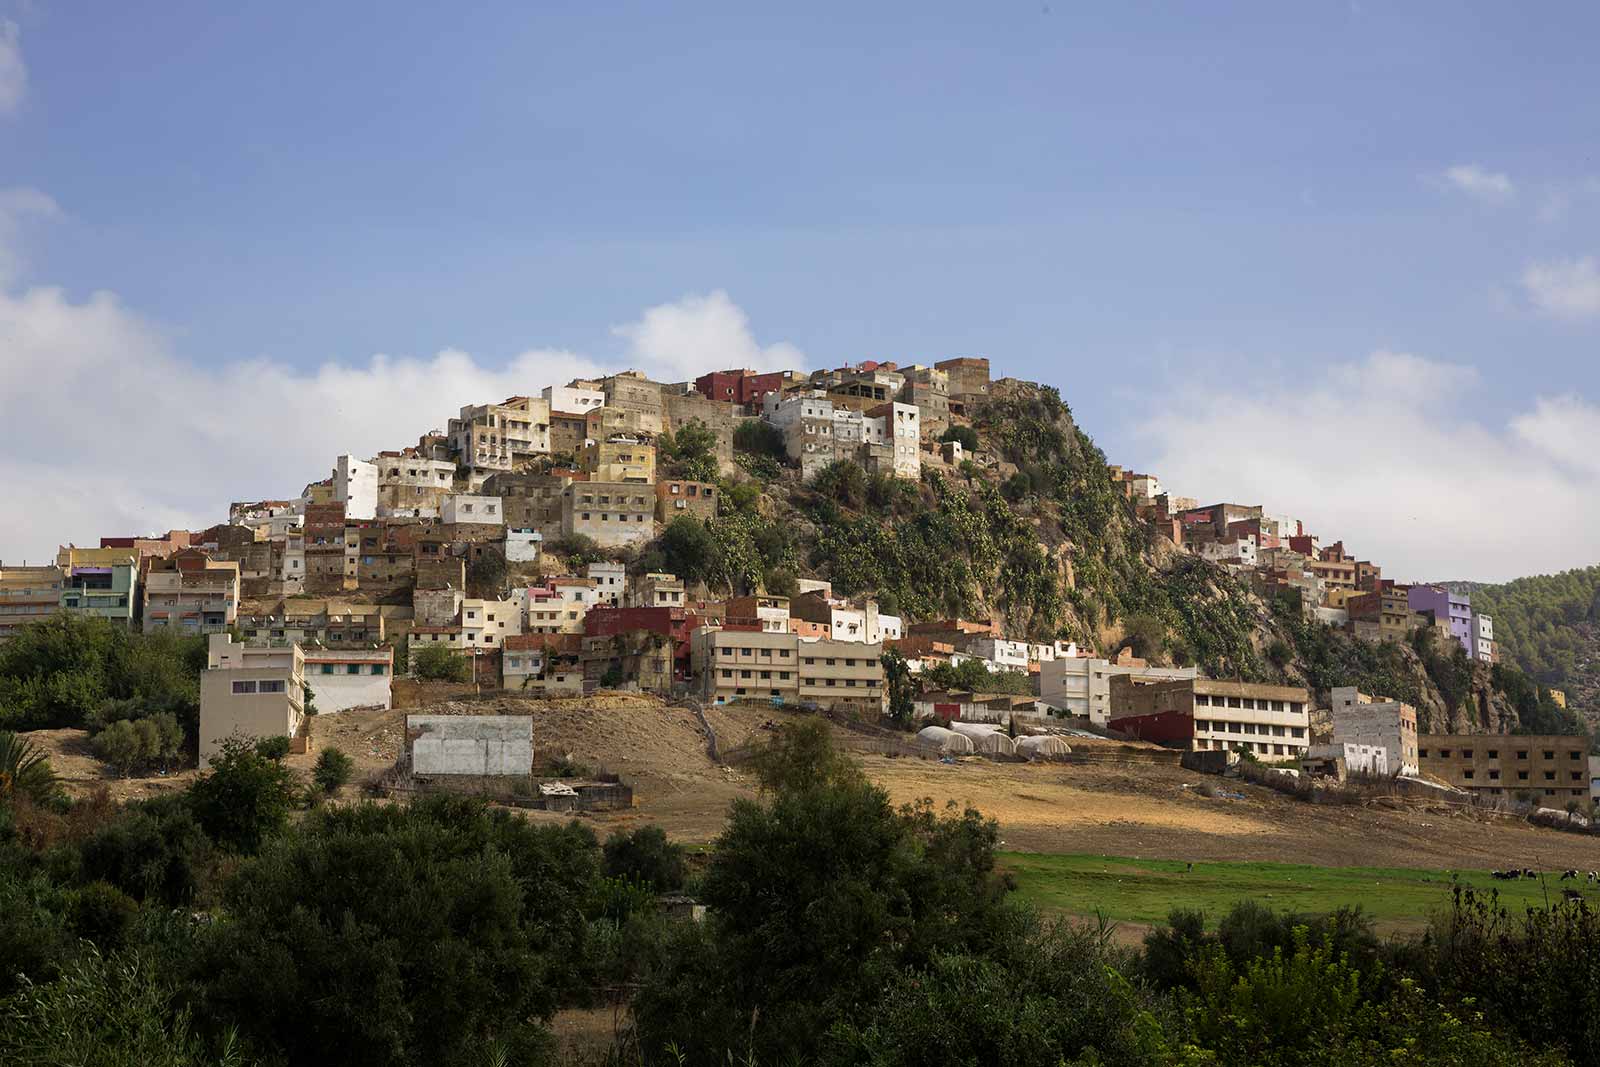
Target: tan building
[[27, 595], [769, 613], [612, 513], [842, 674], [333, 623], [620, 458], [717, 416], [252, 692], [656, 590], [191, 593], [529, 501], [568, 432], [1551, 770], [1272, 722], [733, 665], [636, 396], [968, 379], [1382, 616], [696, 499], [501, 436]]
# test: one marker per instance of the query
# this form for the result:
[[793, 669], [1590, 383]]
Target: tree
[[121, 745], [24, 770], [690, 453], [486, 575], [169, 738], [844, 482], [440, 663], [1146, 635], [332, 770], [244, 799], [645, 856], [273, 748], [760, 438], [902, 689], [965, 434], [691, 552], [579, 550], [780, 581]]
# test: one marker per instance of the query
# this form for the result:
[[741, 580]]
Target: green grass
[[1145, 890]]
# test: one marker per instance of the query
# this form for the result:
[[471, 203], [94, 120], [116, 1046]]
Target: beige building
[[250, 691], [842, 674], [190, 593], [621, 458], [1366, 721], [1549, 770], [491, 437], [486, 623], [1272, 722], [656, 590], [27, 595], [636, 396], [695, 499], [733, 665], [717, 416], [612, 513]]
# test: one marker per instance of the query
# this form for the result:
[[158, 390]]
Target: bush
[[760, 438], [440, 664], [332, 770], [153, 850], [245, 799], [646, 857], [102, 914], [965, 434], [273, 748]]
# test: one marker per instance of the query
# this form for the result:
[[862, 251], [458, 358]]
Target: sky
[[1337, 259]]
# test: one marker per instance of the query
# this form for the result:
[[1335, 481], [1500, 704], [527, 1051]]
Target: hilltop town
[[919, 544]]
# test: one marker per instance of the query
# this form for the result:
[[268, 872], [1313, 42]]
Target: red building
[[742, 387], [675, 623]]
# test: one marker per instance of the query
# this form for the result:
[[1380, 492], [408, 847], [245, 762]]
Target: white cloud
[[113, 433], [1477, 182], [16, 205], [1385, 454], [702, 333], [1565, 288], [13, 72]]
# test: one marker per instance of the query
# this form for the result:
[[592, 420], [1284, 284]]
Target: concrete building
[[614, 514], [1443, 604], [559, 606], [350, 678], [1359, 719], [929, 389], [475, 745], [410, 485], [656, 590], [836, 619], [842, 675], [717, 416], [1344, 758], [1482, 631], [744, 388], [807, 424], [569, 432], [1548, 770], [529, 501], [578, 399], [732, 665], [491, 437], [1241, 553], [1382, 616], [637, 397], [999, 653], [968, 379], [1200, 714], [191, 593], [472, 509], [523, 545], [610, 582], [1081, 685], [355, 485], [543, 664], [250, 691], [486, 623], [900, 426], [28, 595], [620, 458], [695, 499], [770, 614], [109, 592]]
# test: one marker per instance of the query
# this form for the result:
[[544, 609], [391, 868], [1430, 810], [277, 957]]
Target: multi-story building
[[569, 431], [656, 590], [744, 388], [842, 675], [355, 485], [732, 665], [543, 664], [410, 485], [492, 437], [560, 605], [836, 619], [613, 514], [1271, 721], [610, 581], [109, 591], [332, 623], [529, 501], [695, 499], [1376, 722], [487, 623], [578, 398], [1443, 604], [343, 678], [901, 429], [28, 595], [523, 545], [807, 424], [717, 416], [191, 593], [1483, 647], [929, 389], [767, 613], [620, 458], [968, 382], [250, 692], [1000, 653], [1549, 770], [1381, 615], [1081, 685], [632, 394], [473, 509]]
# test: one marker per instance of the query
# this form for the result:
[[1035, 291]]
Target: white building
[[523, 544], [904, 428], [349, 678], [1358, 758], [1241, 552], [573, 399], [656, 590], [486, 623], [1482, 636], [1375, 723], [464, 507], [999, 653], [890, 627], [1081, 685], [610, 582], [807, 424], [355, 484]]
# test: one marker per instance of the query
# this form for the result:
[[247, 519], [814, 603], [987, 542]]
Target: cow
[[1505, 876], [1594, 877], [1529, 872], [1569, 875], [1572, 894]]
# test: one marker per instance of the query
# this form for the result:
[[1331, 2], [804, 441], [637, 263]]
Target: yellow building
[[621, 458]]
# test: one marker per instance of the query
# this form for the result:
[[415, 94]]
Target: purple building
[[1443, 604]]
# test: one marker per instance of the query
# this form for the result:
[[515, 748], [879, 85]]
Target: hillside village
[[766, 538]]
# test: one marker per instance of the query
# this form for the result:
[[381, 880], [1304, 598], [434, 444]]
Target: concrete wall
[[470, 744]]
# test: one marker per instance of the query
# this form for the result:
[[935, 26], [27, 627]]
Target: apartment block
[[341, 679], [656, 590], [485, 624], [576, 398], [769, 614], [842, 675], [251, 692], [1550, 770], [681, 409], [969, 381], [807, 425], [1445, 605], [529, 501], [1081, 685], [610, 581], [28, 595], [620, 458], [614, 514], [900, 428], [191, 593], [543, 664], [632, 393], [1199, 714], [732, 665], [1381, 616], [355, 485], [1376, 722]]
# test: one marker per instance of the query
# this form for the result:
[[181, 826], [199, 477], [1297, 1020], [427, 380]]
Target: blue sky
[[1138, 203]]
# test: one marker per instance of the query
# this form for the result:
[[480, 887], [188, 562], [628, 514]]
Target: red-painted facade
[[1161, 726], [738, 386]]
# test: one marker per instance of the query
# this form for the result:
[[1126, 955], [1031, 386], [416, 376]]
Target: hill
[[1549, 626]]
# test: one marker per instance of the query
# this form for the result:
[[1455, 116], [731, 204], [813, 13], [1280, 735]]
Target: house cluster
[[1278, 556]]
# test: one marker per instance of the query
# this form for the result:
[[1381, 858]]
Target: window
[[1494, 776], [1466, 753], [273, 687], [327, 668], [243, 687], [1494, 753], [1444, 753], [353, 668], [1522, 776], [1549, 754], [1467, 775], [1549, 776], [1522, 753]]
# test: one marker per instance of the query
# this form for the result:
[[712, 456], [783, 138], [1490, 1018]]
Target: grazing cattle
[[1505, 876], [1572, 894], [1569, 875], [1529, 872], [1594, 877]]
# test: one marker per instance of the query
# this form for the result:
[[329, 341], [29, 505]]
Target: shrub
[[121, 745], [101, 913], [760, 438], [965, 434], [332, 770], [245, 798], [645, 856], [440, 664], [273, 748]]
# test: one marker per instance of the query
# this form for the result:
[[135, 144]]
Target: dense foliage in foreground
[[216, 927]]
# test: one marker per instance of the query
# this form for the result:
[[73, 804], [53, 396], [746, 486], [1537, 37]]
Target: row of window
[[262, 686], [1250, 728], [1494, 753], [1522, 776], [606, 517], [353, 668], [1265, 748], [1205, 700]]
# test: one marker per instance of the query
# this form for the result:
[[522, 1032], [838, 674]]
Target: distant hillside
[[1549, 625]]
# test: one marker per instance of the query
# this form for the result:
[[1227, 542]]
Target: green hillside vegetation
[[1549, 627]]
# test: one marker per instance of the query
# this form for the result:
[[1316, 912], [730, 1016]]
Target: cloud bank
[[1479, 183], [1385, 453], [1567, 289]]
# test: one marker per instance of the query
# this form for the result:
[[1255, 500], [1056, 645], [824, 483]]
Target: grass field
[[1145, 890]]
